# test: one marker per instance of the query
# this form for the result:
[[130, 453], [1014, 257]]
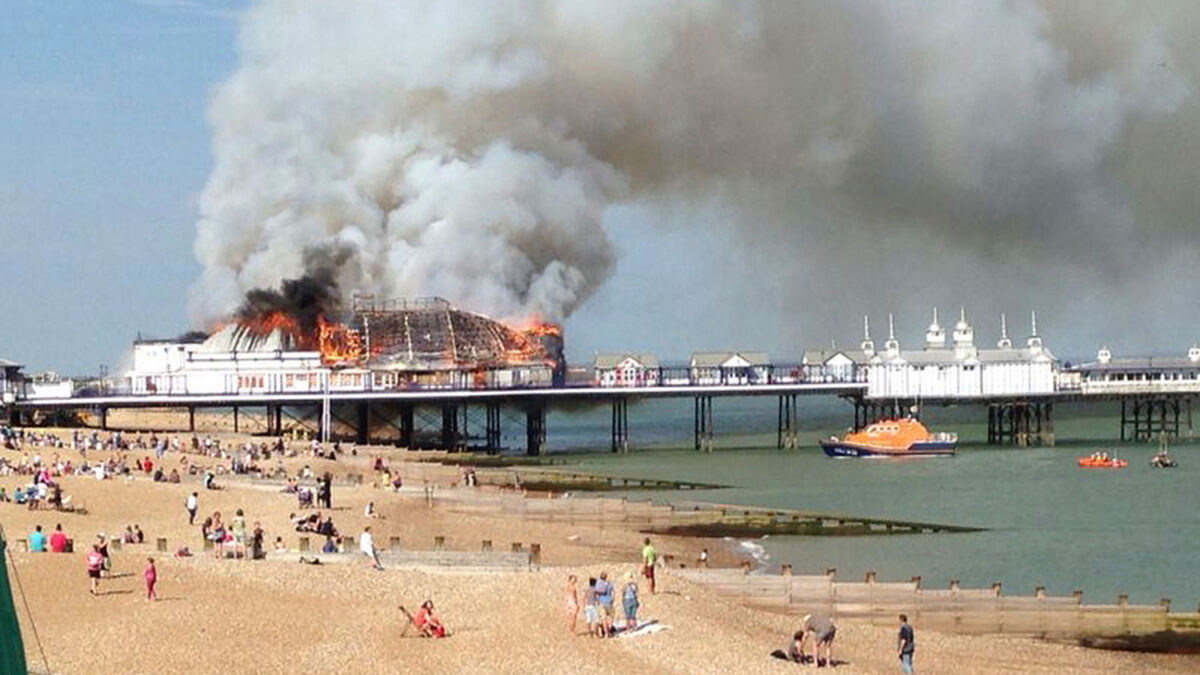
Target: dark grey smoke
[[306, 299]]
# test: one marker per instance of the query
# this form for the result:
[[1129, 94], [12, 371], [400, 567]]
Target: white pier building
[[942, 371]]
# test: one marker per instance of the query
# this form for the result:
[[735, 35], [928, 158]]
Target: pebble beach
[[279, 616]]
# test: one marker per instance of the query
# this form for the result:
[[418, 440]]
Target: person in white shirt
[[366, 544]]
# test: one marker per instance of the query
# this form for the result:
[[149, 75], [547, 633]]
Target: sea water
[[1049, 522]]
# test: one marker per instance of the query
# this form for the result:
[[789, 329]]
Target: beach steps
[[954, 609]]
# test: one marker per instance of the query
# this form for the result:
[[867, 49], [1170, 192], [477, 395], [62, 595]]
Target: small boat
[[892, 438], [1105, 462]]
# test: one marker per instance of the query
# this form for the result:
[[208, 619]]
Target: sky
[[723, 192]]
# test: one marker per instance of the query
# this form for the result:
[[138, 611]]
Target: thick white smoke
[[472, 150]]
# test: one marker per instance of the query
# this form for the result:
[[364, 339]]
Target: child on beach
[[572, 603], [95, 560], [590, 613], [151, 576]]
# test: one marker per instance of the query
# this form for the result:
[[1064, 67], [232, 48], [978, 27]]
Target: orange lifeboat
[[892, 438]]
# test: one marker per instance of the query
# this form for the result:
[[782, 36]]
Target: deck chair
[[411, 625]]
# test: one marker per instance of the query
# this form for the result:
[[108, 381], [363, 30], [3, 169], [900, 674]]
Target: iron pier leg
[[236, 425], [449, 426], [1124, 420], [493, 426], [407, 437], [535, 430], [620, 425], [104, 418], [192, 418], [364, 423], [1050, 436]]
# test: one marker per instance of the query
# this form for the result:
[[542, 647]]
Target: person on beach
[[238, 527], [217, 535], [702, 561], [256, 542], [629, 601], [95, 562], [823, 631], [604, 598], [58, 540], [105, 560], [794, 651], [369, 511], [366, 544], [192, 504], [428, 623], [325, 491], [572, 603], [906, 644], [649, 558], [151, 576], [590, 612], [37, 540]]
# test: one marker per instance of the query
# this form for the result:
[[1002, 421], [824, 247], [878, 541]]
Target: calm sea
[[1051, 523]]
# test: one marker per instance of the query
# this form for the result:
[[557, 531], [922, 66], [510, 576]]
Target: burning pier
[[422, 343]]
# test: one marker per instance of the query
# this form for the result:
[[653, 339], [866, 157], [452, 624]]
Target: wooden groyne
[[692, 519], [569, 481], [953, 609]]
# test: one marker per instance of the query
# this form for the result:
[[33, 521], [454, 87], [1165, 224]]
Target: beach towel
[[642, 628]]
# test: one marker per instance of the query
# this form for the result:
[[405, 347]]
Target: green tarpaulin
[[12, 650]]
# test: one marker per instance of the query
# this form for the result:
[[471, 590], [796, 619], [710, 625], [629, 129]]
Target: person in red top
[[58, 540], [148, 465], [151, 578], [95, 560], [427, 622]]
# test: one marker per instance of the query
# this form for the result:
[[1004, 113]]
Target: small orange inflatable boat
[[1102, 463]]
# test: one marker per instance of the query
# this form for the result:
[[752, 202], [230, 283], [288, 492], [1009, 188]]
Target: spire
[[935, 336], [868, 345], [962, 313], [1035, 341], [892, 346], [1005, 342], [964, 337]]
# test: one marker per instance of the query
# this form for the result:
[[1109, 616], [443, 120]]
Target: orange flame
[[338, 343]]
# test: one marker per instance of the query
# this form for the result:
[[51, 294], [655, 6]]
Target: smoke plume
[[474, 150]]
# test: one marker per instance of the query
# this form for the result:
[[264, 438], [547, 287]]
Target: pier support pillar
[[450, 436], [492, 427], [620, 425], [363, 428], [236, 425], [786, 434], [535, 429], [1021, 423], [104, 418], [703, 424], [406, 426], [192, 418]]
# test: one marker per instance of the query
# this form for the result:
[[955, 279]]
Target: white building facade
[[959, 369]]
